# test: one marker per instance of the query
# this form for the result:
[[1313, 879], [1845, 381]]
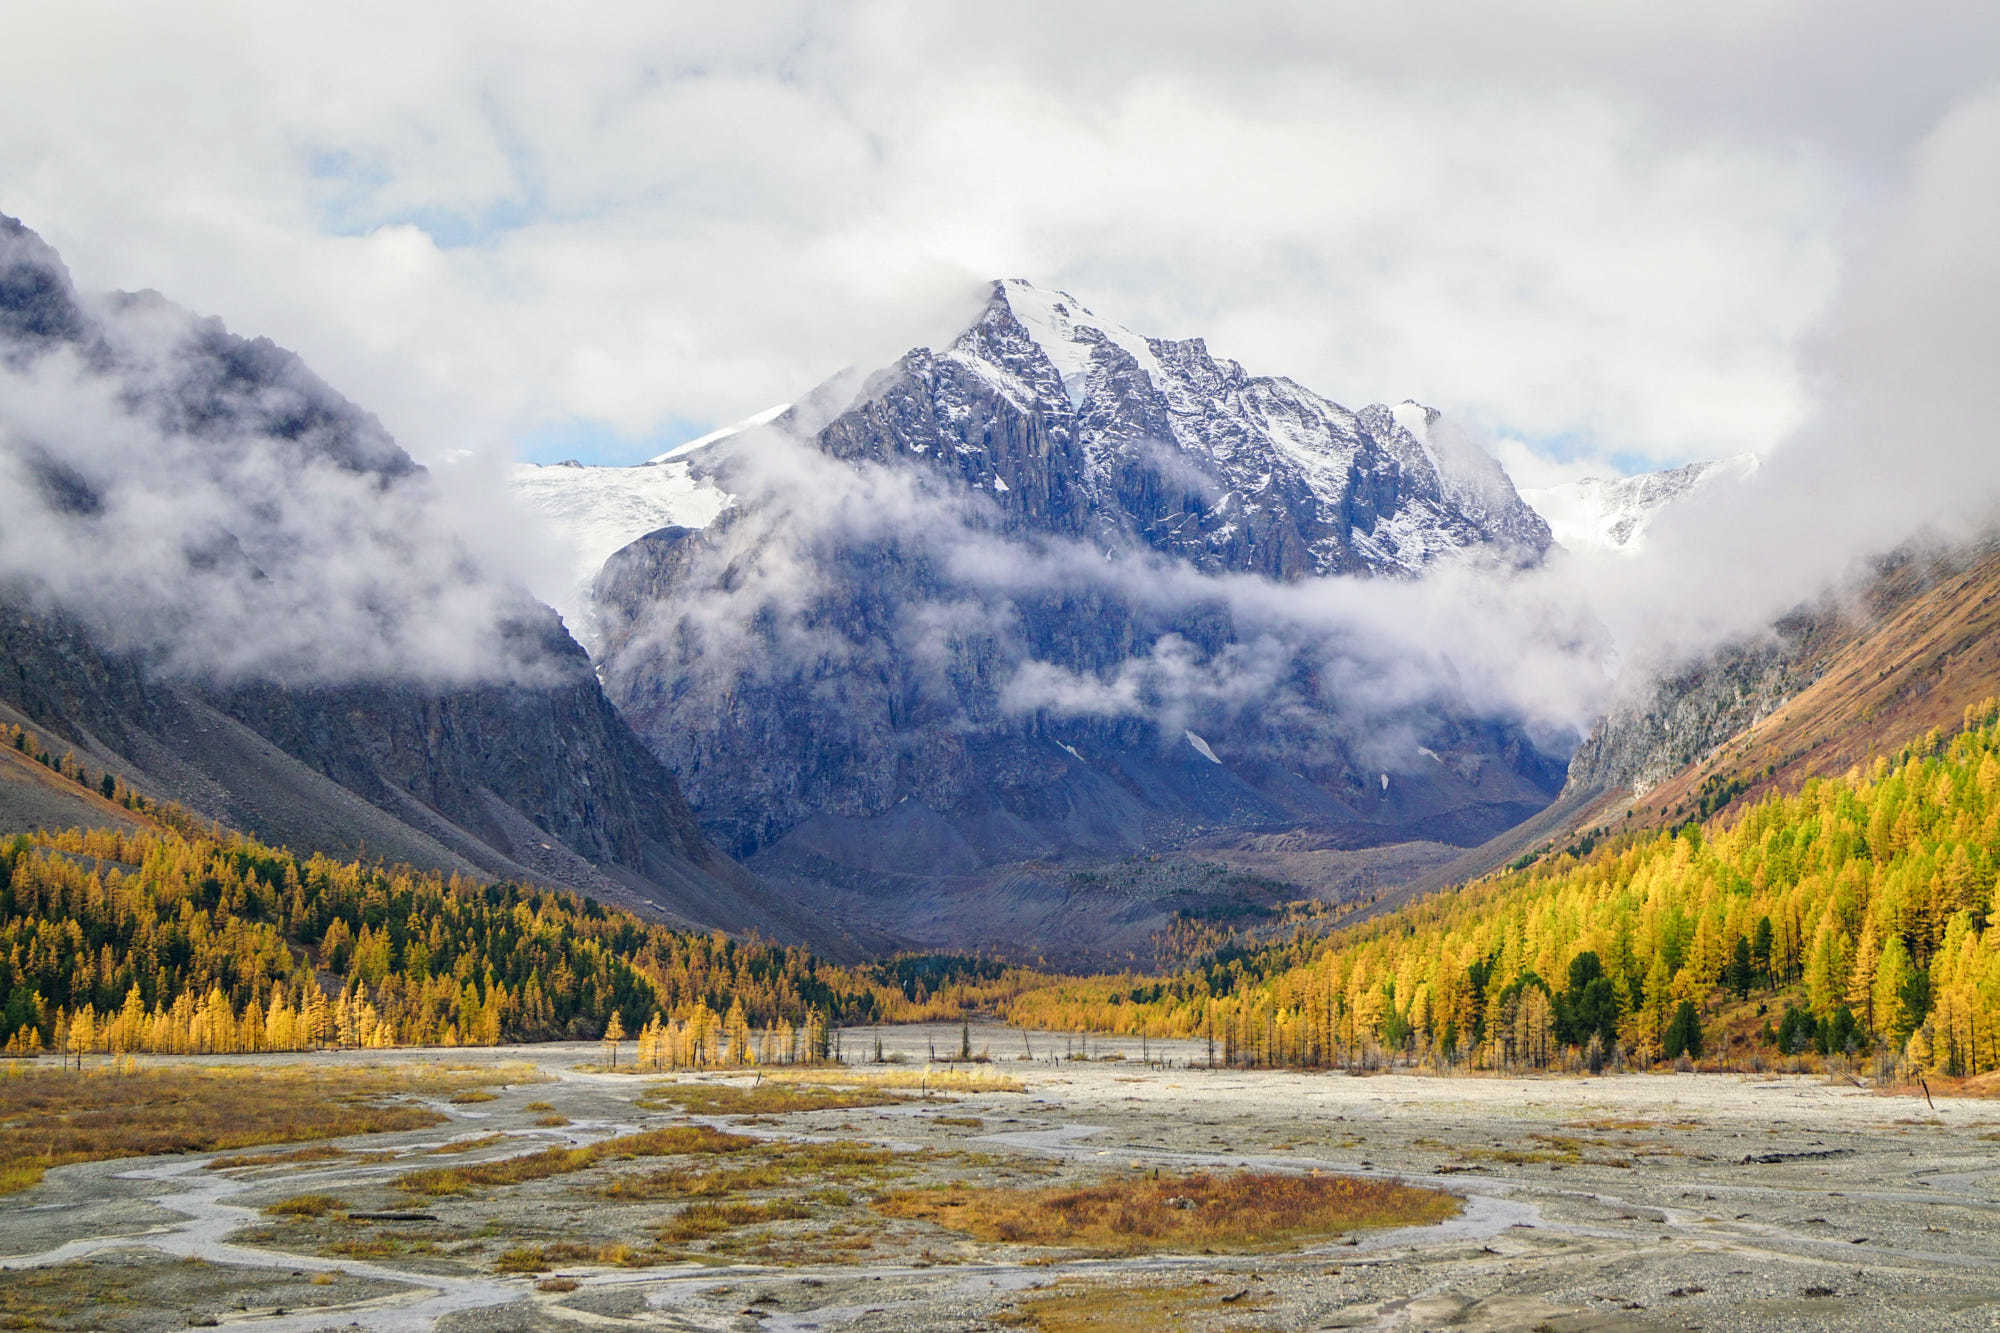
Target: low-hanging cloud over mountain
[[208, 504], [1897, 448]]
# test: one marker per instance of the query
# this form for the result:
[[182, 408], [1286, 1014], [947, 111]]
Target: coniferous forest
[[1855, 918], [174, 942]]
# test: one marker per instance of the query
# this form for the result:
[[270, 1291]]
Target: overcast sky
[[1607, 231]]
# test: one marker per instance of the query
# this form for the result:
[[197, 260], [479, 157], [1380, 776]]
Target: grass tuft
[[763, 1099], [307, 1205], [318, 1152], [1076, 1306], [767, 1166], [699, 1220], [936, 1080]]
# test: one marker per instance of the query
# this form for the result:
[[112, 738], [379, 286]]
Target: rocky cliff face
[[218, 578], [1677, 721], [1014, 601]]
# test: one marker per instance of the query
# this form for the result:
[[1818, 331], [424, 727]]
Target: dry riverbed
[[564, 1196]]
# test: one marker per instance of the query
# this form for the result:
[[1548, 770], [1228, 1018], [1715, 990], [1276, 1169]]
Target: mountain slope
[[1858, 908], [1006, 608], [1858, 674], [1835, 688], [224, 582], [595, 511]]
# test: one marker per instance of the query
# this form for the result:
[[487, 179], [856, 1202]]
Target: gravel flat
[[1673, 1201]]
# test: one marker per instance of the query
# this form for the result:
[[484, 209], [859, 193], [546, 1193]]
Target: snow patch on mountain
[[1070, 335], [682, 450], [1201, 747], [1611, 514], [594, 511]]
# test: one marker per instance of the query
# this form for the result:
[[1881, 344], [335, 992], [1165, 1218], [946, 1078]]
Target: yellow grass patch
[[935, 1080], [307, 1205], [669, 1142], [452, 1147], [767, 1166], [1137, 1214], [319, 1152], [1088, 1307], [761, 1099], [52, 1117], [700, 1220]]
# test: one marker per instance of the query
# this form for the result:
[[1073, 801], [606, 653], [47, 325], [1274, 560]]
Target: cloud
[[898, 601], [493, 220], [1899, 445], [485, 221]]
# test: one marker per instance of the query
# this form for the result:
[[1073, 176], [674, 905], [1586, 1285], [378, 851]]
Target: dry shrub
[[307, 1205], [671, 1142], [557, 1284], [698, 1220], [1136, 1214], [51, 1117]]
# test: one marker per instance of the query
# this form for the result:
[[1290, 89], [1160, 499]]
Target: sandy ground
[[1673, 1201]]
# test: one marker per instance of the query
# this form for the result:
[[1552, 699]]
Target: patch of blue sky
[[349, 187], [599, 444], [1584, 447]]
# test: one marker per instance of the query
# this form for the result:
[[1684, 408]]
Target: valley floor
[[1631, 1202]]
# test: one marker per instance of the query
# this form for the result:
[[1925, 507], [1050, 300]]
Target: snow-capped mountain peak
[[1187, 452], [1070, 334]]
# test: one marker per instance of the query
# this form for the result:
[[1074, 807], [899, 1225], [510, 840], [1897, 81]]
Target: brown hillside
[[1930, 650]]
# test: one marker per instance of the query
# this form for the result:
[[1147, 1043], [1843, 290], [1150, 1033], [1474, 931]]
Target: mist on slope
[[210, 506], [1898, 449], [225, 549]]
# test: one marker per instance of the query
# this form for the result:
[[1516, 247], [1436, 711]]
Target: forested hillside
[[1856, 916], [215, 943]]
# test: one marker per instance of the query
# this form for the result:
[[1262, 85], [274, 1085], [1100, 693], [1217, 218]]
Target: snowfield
[[593, 511]]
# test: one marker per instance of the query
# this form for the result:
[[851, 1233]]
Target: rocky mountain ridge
[[994, 609]]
